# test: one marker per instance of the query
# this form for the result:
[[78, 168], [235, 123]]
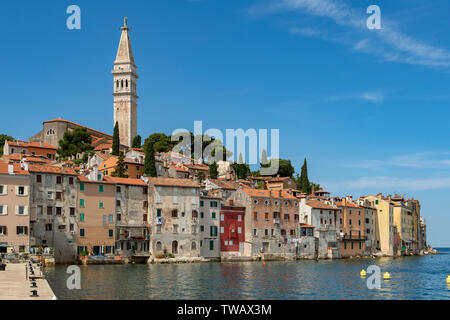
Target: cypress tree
[[116, 140], [304, 181], [149, 162], [213, 173], [120, 169]]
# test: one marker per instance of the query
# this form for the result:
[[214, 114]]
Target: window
[[222, 230], [39, 178], [213, 231], [359, 222], [81, 186], [213, 215], [118, 217], [292, 233], [255, 216], [110, 233], [202, 228], [266, 216], [58, 180], [58, 211], [117, 203], [48, 227], [201, 204], [21, 210], [213, 204], [82, 203], [175, 213], [20, 190], [145, 218], [3, 230], [145, 190], [255, 232], [70, 180], [72, 211], [104, 220], [297, 218], [82, 233], [81, 217], [49, 211], [100, 188], [350, 221], [266, 232], [239, 230], [3, 210], [201, 215], [71, 227], [286, 217], [110, 218], [211, 245], [21, 230], [194, 214], [175, 228], [158, 212], [100, 205], [239, 218], [58, 195], [159, 246], [145, 204]]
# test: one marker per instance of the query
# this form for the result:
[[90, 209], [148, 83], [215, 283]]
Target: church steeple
[[125, 88]]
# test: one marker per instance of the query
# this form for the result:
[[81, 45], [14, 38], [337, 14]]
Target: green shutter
[[211, 245], [110, 233], [81, 217], [81, 186], [213, 215], [81, 232], [100, 205], [158, 212], [100, 188], [81, 202]]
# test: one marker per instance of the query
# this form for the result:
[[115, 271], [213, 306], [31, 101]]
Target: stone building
[[209, 225], [132, 219], [125, 89], [53, 210], [370, 217], [271, 222], [29, 148], [96, 212], [14, 208], [174, 212], [322, 215]]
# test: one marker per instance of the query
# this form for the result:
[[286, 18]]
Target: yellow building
[[385, 237], [406, 221]]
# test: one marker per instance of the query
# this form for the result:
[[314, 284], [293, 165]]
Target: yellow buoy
[[448, 280], [363, 273], [387, 276]]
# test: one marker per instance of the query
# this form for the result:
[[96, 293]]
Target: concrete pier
[[14, 284]]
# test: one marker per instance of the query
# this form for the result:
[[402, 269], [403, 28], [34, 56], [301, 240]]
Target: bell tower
[[125, 89]]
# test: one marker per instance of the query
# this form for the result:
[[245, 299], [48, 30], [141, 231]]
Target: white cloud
[[423, 160], [390, 184], [388, 43]]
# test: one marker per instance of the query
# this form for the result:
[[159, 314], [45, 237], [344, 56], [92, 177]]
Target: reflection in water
[[411, 278]]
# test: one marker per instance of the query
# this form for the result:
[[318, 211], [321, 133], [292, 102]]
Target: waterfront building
[[385, 229], [404, 221], [322, 215], [14, 208], [174, 212], [352, 235], [370, 220], [209, 223], [96, 211], [423, 234], [233, 233], [272, 222], [132, 218], [53, 209]]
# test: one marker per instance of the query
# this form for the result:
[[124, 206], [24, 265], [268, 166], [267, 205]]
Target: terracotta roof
[[103, 147], [129, 181], [278, 179], [269, 193], [224, 184], [179, 168], [51, 169], [29, 158], [17, 169], [82, 178], [321, 191], [173, 182], [348, 204], [198, 166], [76, 124], [101, 155], [26, 144], [316, 204]]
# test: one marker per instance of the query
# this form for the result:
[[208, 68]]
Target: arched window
[[158, 246], [126, 83], [121, 83], [50, 132], [117, 84], [194, 245]]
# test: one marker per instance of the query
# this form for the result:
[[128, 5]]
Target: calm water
[[411, 278]]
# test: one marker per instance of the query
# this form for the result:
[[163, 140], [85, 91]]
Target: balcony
[[276, 220], [352, 237]]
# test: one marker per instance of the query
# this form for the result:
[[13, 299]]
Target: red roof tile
[[172, 182], [269, 193]]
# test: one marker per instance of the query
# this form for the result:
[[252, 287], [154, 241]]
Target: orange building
[[31, 148], [351, 227], [134, 168]]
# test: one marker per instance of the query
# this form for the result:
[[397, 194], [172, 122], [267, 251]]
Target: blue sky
[[368, 108]]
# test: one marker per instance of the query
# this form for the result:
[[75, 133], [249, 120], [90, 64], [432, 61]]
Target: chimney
[[10, 167]]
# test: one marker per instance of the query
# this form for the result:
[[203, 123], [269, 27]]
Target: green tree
[[116, 140], [149, 162], [304, 181], [76, 142], [3, 138], [201, 176], [285, 168], [259, 184], [137, 141], [213, 173], [120, 169]]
